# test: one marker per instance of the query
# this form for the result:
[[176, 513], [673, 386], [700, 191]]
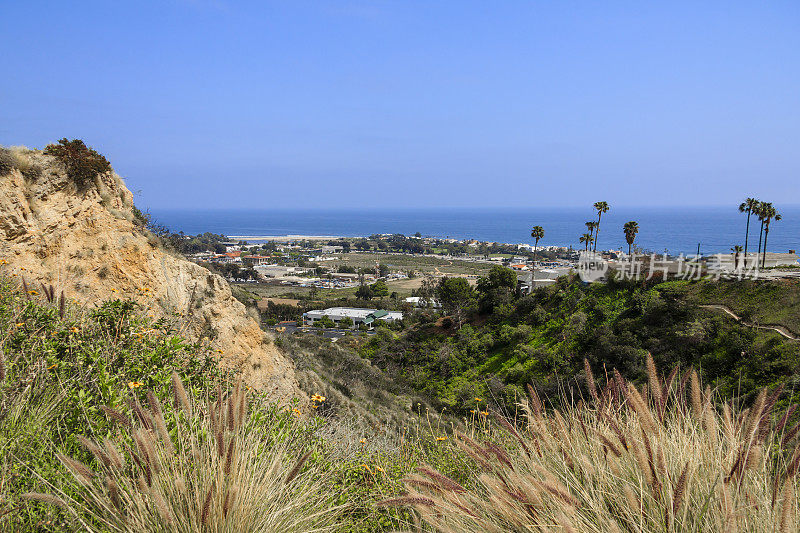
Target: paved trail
[[779, 329]]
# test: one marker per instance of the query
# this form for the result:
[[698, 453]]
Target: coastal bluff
[[85, 239]]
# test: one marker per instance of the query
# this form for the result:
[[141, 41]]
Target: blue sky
[[415, 103]]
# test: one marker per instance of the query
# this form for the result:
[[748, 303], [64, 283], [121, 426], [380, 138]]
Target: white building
[[278, 271], [357, 315], [417, 301]]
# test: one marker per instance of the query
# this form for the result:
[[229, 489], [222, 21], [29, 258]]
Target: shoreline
[[284, 238]]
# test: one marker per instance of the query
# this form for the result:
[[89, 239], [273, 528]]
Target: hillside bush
[[82, 163], [58, 366]]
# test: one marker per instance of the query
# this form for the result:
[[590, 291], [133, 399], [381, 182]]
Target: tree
[[497, 288], [602, 207], [736, 251], [537, 232], [426, 291], [769, 213], [631, 229], [346, 322], [748, 206], [591, 225], [379, 289], [759, 211], [383, 270], [586, 239], [364, 292], [456, 297], [324, 322]]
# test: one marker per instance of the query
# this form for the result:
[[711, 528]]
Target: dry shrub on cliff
[[81, 162], [6, 161], [634, 460], [218, 466]]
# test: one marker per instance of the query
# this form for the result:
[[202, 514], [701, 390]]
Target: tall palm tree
[[748, 206], [537, 232], [591, 225], [736, 251], [630, 229], [602, 207], [587, 239], [769, 214], [759, 212]]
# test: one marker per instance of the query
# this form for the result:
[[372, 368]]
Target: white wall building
[[417, 301], [356, 314]]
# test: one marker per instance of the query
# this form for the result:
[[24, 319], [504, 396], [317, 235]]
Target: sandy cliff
[[85, 241]]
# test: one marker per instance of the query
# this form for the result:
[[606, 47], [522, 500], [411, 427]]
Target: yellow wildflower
[[363, 441], [318, 398], [34, 293], [485, 413], [441, 438], [74, 330], [220, 351], [134, 384], [20, 324], [478, 399]]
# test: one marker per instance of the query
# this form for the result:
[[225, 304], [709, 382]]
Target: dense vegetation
[[110, 421], [58, 368], [661, 457], [543, 337], [88, 397]]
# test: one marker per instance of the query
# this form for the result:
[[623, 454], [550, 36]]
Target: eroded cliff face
[[84, 240]]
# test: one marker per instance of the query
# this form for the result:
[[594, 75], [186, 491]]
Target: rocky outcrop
[[86, 241]]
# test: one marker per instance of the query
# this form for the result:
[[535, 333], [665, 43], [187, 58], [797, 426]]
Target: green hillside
[[543, 338]]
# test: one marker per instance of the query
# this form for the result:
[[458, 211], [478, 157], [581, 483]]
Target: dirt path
[[779, 329], [439, 272]]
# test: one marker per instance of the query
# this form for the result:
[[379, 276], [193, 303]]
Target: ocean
[[676, 230]]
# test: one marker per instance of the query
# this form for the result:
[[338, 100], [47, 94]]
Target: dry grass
[[215, 467], [661, 458]]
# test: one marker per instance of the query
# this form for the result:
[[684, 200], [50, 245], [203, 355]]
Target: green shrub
[[82, 163], [58, 367]]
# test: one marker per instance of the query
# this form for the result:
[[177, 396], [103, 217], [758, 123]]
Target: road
[[779, 329]]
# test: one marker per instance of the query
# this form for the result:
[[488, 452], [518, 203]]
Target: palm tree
[[759, 212], [587, 239], [748, 206], [769, 214], [537, 232], [591, 225], [736, 251], [602, 207], [631, 229]]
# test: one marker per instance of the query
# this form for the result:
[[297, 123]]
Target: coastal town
[[323, 282]]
